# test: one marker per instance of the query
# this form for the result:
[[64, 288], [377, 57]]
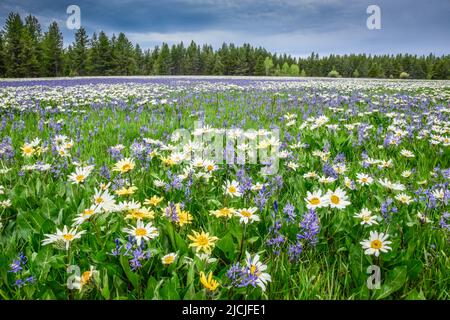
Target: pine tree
[[102, 56], [2, 56], [218, 66], [24, 52], [139, 59], [294, 70], [123, 56], [52, 51], [164, 62], [80, 52], [260, 68], [14, 46], [32, 55]]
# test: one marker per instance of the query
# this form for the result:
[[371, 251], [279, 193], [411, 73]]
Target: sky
[[295, 27]]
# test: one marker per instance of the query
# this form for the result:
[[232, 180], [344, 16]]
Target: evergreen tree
[[294, 70], [14, 46], [218, 66], [260, 68], [123, 56], [24, 52], [80, 53], [101, 55], [32, 55], [164, 62], [52, 51], [2, 56]]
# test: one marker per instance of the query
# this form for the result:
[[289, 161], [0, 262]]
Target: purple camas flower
[[171, 212], [138, 255], [117, 250], [18, 268], [104, 172], [241, 276], [294, 251], [310, 228], [328, 171], [174, 182], [289, 210], [444, 222], [261, 198], [135, 254], [387, 208], [6, 149]]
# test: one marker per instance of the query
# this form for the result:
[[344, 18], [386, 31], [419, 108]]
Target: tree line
[[27, 51]]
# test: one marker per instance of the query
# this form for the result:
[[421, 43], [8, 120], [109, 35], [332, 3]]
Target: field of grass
[[99, 199]]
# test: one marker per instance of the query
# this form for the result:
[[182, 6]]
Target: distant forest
[[27, 51]]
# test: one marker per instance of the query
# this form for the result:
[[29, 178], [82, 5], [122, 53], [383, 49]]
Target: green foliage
[[25, 52], [334, 74], [404, 75]]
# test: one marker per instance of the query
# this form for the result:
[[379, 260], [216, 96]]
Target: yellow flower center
[[224, 212], [138, 214], [232, 189], [314, 201], [366, 218], [210, 167], [335, 199], [364, 179], [88, 212], [246, 213], [68, 237], [141, 232], [376, 244], [126, 167], [98, 200], [28, 150], [252, 269], [79, 177], [168, 259], [202, 240]]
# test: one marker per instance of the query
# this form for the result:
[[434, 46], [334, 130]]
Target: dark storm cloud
[[293, 26]]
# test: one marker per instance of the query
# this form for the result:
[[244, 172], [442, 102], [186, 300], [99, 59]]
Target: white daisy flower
[[232, 188], [337, 199], [316, 200], [376, 243], [366, 217], [142, 231], [247, 215], [364, 179], [64, 236]]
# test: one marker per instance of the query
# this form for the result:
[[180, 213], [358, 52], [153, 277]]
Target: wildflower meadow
[[224, 188]]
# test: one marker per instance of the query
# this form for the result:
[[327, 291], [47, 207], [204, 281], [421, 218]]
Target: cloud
[[292, 26]]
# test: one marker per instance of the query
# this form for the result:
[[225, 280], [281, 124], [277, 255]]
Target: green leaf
[[43, 261], [170, 289], [415, 267], [395, 280], [105, 290], [227, 246], [415, 295], [132, 277]]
